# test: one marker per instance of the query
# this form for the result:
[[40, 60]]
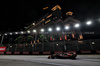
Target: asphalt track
[[41, 60]]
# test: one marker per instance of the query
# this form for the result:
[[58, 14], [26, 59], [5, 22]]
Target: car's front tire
[[73, 57]]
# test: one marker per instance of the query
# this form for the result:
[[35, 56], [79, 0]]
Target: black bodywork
[[63, 56]]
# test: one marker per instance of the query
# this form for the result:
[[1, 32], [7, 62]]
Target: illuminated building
[[52, 32], [55, 19]]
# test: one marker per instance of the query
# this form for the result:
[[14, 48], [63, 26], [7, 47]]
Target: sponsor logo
[[2, 49]]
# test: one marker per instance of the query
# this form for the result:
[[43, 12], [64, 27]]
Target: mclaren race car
[[63, 56]]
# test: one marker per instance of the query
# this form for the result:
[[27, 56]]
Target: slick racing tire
[[52, 56]]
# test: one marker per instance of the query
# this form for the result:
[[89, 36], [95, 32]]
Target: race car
[[63, 56]]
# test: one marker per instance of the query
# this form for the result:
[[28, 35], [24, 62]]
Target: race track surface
[[41, 60]]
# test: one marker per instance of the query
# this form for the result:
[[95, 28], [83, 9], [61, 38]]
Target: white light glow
[[50, 29], [58, 28], [57, 44], [22, 32], [10, 33], [10, 46], [77, 25], [34, 31], [5, 34], [93, 42], [42, 30], [28, 31], [16, 32], [66, 27], [33, 23], [89, 23]]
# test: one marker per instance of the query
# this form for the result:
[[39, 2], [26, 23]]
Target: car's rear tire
[[48, 57], [53, 56]]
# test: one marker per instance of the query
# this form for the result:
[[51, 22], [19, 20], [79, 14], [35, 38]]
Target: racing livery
[[63, 56]]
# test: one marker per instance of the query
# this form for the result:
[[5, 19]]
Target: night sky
[[15, 15]]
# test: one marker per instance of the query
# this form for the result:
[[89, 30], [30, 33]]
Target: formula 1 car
[[63, 56]]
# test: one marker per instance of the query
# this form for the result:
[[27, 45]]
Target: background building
[[52, 32]]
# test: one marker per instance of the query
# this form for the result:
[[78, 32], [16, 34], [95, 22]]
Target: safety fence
[[85, 46]]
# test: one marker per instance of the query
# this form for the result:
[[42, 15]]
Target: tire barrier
[[85, 51], [8, 53], [25, 52], [35, 53], [46, 52], [1, 53], [56, 52], [16, 53], [97, 51]]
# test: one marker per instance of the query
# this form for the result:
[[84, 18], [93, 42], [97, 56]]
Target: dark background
[[15, 15]]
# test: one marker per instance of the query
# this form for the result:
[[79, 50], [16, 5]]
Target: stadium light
[[10, 46], [57, 44], [34, 31], [28, 31], [5, 34], [22, 32], [16, 32], [58, 28], [33, 23], [10, 33], [42, 30], [50, 29], [77, 25], [66, 27], [89, 22]]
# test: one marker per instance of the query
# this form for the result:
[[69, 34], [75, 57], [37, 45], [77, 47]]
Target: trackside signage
[[2, 49]]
